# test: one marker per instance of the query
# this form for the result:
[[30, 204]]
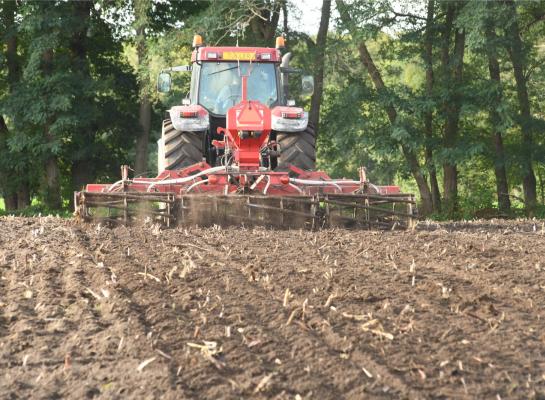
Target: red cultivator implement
[[257, 162], [204, 195]]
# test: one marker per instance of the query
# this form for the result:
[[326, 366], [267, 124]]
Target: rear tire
[[297, 149], [181, 148]]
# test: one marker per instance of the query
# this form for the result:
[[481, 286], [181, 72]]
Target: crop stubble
[[445, 311]]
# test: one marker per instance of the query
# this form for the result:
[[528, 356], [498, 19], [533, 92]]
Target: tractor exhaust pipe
[[285, 64]]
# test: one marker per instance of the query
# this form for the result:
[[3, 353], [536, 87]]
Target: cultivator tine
[[125, 207], [358, 211], [307, 212], [271, 211], [366, 210]]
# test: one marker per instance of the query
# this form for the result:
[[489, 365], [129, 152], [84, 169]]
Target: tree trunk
[[450, 170], [285, 19], [428, 116], [16, 196], [52, 195], [144, 114], [319, 61], [23, 196], [376, 78], [12, 59], [9, 195], [541, 186], [453, 66], [518, 60], [10, 201], [502, 187], [142, 143], [83, 165], [52, 191]]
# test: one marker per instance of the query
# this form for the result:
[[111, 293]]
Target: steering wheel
[[225, 103]]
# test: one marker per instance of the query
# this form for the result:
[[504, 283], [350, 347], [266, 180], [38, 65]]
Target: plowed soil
[[444, 311]]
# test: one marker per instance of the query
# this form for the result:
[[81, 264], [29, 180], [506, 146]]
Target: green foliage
[[36, 210], [400, 57], [75, 98], [64, 109]]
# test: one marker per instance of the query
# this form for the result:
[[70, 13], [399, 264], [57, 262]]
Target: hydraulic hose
[[183, 180], [194, 185]]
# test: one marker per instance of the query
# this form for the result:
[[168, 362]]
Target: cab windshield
[[220, 84]]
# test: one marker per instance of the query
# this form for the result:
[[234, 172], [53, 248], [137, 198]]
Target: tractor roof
[[254, 54]]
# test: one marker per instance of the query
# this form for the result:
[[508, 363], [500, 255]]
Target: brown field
[[445, 311]]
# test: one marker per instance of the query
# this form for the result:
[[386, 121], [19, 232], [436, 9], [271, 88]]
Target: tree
[[52, 190], [141, 10], [63, 132], [319, 60], [376, 77], [265, 15], [83, 167], [428, 113], [518, 59], [152, 19], [452, 67], [502, 187], [14, 184]]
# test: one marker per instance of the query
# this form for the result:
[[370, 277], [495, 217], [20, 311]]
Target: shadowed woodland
[[444, 98]]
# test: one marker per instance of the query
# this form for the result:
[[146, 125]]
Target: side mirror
[[307, 85], [164, 82]]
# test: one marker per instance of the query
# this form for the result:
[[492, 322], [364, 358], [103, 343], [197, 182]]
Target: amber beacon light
[[197, 41]]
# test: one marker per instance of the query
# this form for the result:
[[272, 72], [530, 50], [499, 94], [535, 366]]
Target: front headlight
[[290, 122], [189, 118]]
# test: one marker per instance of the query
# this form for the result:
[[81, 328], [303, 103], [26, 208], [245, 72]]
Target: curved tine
[[267, 185], [296, 187]]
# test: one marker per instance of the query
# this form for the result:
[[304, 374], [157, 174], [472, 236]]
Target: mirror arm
[[179, 68], [288, 70]]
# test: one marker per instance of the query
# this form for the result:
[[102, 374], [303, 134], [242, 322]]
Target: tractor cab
[[217, 78], [216, 82]]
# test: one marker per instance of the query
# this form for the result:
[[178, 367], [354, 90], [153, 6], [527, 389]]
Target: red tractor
[[238, 151], [221, 77]]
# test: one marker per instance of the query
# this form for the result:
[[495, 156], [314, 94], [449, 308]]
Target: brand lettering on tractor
[[239, 55]]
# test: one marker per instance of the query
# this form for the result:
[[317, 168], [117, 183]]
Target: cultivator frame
[[205, 196]]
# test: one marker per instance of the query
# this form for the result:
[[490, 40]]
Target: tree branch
[[403, 15], [540, 18]]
